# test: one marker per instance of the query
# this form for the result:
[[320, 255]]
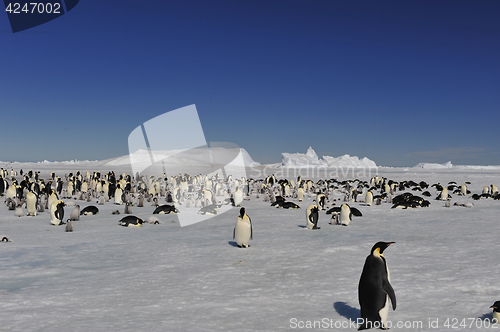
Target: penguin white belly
[[31, 204], [384, 312], [242, 233], [345, 216], [496, 315], [369, 198], [310, 225], [52, 199], [301, 195], [118, 197], [11, 192], [463, 190], [238, 198], [444, 194]]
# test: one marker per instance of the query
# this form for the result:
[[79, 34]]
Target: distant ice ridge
[[178, 157], [434, 165], [449, 165], [68, 162], [310, 158]]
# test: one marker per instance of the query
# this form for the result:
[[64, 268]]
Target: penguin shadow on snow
[[488, 316], [345, 310], [233, 243]]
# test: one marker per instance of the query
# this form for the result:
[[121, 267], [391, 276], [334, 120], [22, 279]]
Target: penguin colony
[[30, 195]]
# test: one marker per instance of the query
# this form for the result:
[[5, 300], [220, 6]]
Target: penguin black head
[[381, 246], [496, 306], [242, 212]]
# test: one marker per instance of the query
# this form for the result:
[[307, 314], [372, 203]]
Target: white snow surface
[[311, 159], [104, 277]]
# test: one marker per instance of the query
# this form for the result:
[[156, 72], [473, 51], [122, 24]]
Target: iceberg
[[311, 159]]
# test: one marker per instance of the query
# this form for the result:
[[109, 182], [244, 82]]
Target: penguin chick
[[69, 226]]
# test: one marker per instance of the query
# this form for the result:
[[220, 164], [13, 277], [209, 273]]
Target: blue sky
[[399, 82]]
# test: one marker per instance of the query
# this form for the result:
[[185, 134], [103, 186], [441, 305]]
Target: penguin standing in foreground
[[375, 290], [243, 232], [312, 216], [496, 311]]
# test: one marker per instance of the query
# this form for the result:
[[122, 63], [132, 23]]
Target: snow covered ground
[[104, 277]]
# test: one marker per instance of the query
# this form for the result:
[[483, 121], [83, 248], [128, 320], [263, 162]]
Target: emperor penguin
[[375, 290], [346, 213], [75, 214], [486, 190], [463, 189], [118, 195], [52, 198], [11, 192], [494, 189], [165, 209], [369, 198], [243, 232], [238, 197], [496, 311], [56, 212], [443, 195], [19, 211], [128, 209], [31, 203], [69, 226], [312, 216], [131, 221], [320, 201], [152, 220], [89, 210], [300, 194]]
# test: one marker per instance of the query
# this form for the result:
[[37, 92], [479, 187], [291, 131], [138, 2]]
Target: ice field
[[104, 277]]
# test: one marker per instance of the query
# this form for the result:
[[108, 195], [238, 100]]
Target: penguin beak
[[493, 306]]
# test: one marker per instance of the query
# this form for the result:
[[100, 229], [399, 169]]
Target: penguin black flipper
[[60, 213], [312, 221], [234, 232], [386, 285], [356, 212], [333, 209]]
